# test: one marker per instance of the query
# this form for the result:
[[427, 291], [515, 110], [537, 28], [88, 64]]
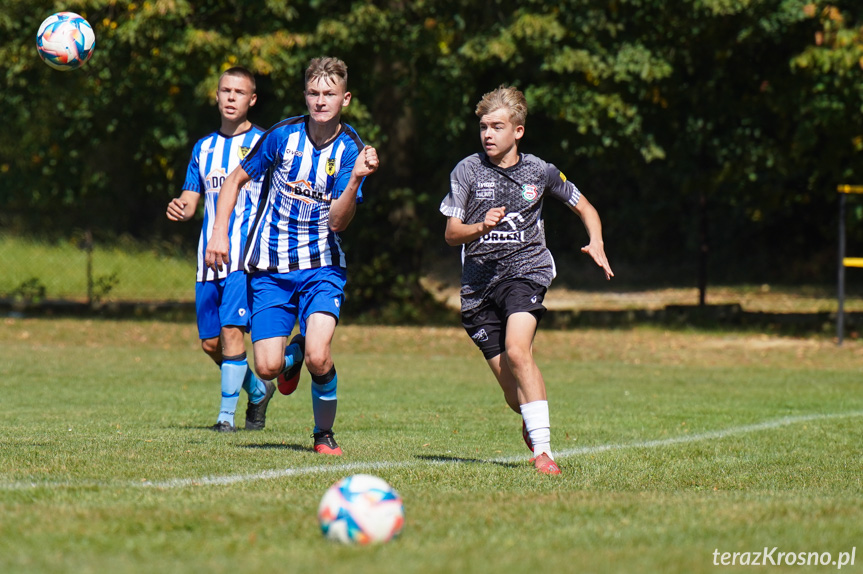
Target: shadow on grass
[[261, 446], [460, 460], [280, 446], [201, 428]]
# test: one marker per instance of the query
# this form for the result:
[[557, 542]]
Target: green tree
[[707, 126], [689, 116]]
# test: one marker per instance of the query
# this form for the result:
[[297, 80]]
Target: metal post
[[88, 247], [840, 316]]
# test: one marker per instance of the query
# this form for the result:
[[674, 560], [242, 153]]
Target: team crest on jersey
[[306, 192], [331, 166], [214, 180], [529, 192], [242, 151]]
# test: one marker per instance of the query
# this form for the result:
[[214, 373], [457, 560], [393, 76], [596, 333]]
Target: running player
[[494, 211], [221, 300], [294, 257]]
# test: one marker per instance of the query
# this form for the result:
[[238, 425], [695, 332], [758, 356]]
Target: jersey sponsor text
[[503, 237]]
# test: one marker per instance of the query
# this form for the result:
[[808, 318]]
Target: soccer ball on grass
[[65, 41], [361, 509]]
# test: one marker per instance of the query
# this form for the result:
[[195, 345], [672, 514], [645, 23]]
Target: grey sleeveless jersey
[[516, 247]]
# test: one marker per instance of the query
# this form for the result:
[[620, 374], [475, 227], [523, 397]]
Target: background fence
[[75, 269]]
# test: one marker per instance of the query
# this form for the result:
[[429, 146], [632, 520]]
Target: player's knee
[[518, 357], [212, 348], [318, 361], [268, 370], [232, 340], [266, 374]]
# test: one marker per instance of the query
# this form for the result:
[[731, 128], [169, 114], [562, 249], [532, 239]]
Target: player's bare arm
[[459, 233], [218, 246], [596, 248], [183, 208], [343, 209]]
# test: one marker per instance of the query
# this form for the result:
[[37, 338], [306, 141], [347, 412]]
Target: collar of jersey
[[485, 160], [309, 134]]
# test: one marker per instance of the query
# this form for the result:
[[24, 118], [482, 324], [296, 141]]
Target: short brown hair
[[332, 69], [504, 97], [239, 71]]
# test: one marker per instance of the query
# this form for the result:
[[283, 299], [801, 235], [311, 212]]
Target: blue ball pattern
[[361, 494], [65, 41]]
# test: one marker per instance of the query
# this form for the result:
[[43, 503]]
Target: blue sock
[[254, 386], [292, 356], [233, 373], [324, 400]]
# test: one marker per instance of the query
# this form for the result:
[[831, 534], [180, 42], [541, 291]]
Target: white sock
[[536, 420]]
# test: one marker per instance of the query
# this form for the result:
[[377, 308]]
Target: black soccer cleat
[[256, 414], [223, 426]]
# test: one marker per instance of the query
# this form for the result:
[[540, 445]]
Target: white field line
[[369, 466]]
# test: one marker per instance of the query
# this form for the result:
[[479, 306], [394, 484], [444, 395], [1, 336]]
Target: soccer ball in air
[[361, 509], [65, 41]]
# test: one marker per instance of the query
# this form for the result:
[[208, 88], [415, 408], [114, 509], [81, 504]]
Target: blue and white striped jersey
[[213, 158], [292, 230]]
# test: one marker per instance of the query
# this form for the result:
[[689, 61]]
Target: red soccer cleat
[[544, 464], [326, 444], [290, 378]]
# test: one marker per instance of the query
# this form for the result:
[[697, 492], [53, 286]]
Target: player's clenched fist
[[493, 217], [367, 162]]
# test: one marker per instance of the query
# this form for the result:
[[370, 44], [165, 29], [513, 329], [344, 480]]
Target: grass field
[[673, 445]]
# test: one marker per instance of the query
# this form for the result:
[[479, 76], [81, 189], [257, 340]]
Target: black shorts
[[486, 325]]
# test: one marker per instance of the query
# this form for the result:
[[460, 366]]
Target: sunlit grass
[[105, 456]]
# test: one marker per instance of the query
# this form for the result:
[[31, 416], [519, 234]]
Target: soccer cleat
[[544, 464], [326, 444], [256, 414], [290, 378], [223, 426], [526, 436]]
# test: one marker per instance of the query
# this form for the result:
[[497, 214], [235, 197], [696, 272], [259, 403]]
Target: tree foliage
[[707, 125]]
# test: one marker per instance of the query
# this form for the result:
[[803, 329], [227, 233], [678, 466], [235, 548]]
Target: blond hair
[[331, 69], [504, 97]]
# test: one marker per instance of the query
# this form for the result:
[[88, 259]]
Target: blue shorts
[[222, 303], [279, 299]]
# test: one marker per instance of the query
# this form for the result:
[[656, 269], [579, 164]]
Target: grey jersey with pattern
[[516, 247]]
